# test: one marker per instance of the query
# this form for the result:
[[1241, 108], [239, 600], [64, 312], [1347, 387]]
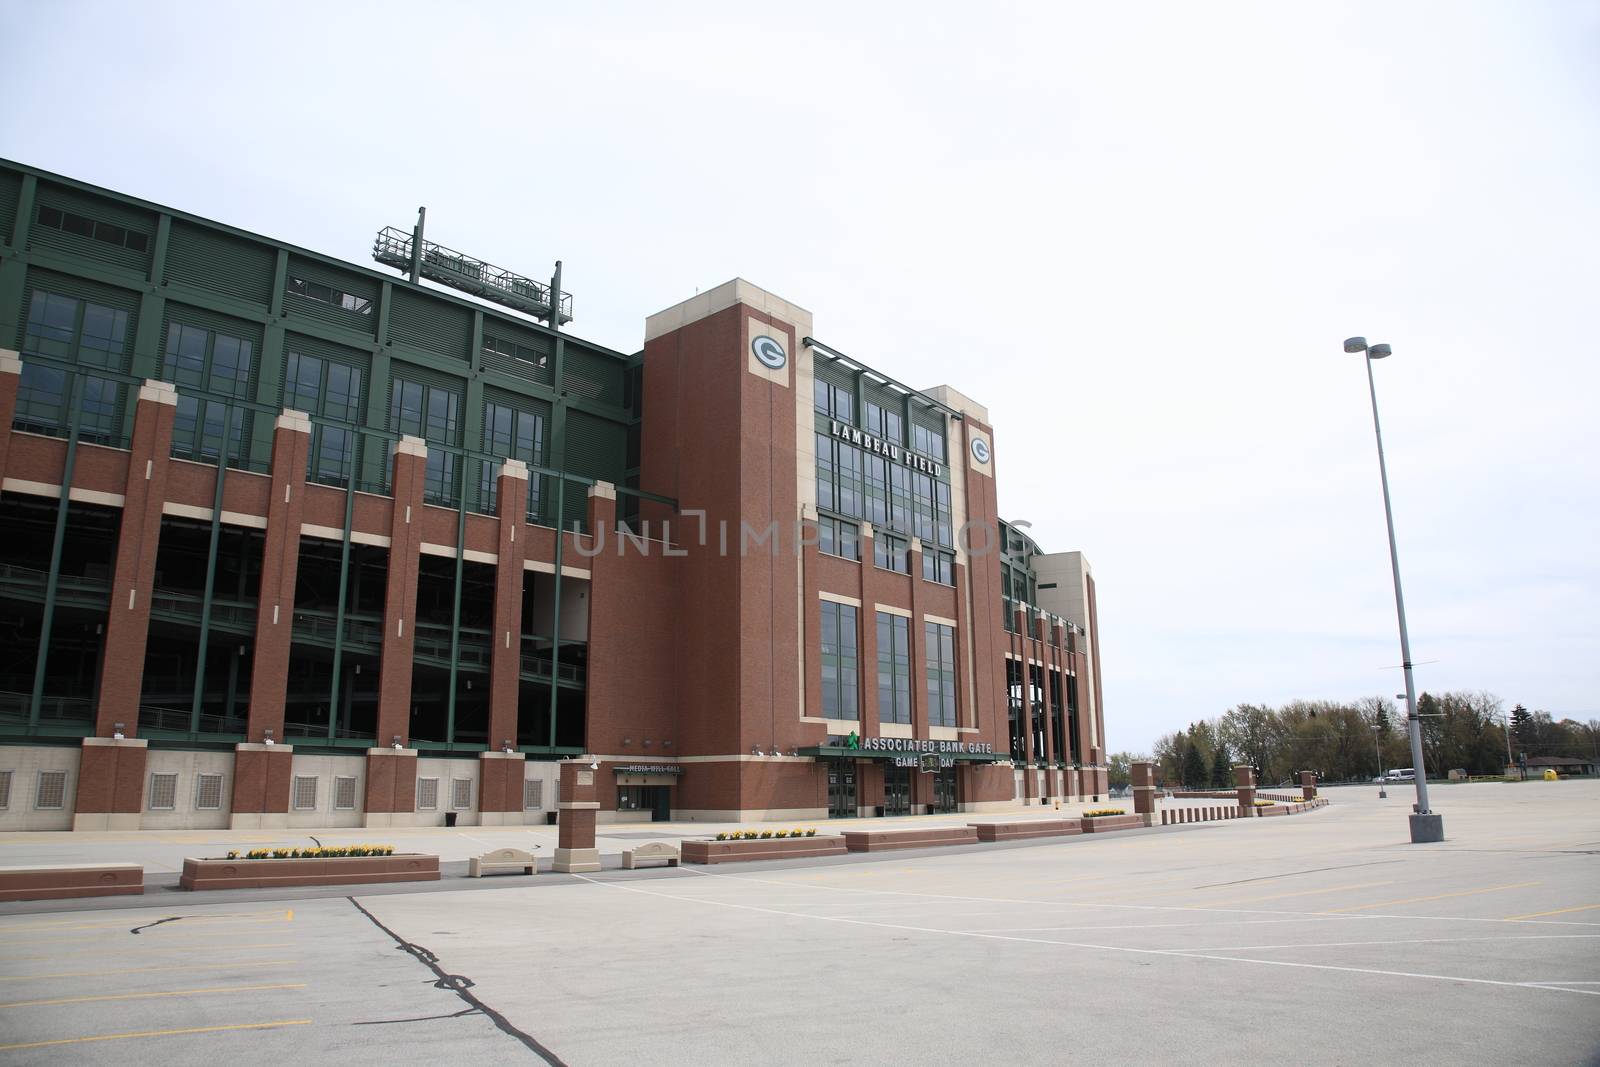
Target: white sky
[[1137, 232]]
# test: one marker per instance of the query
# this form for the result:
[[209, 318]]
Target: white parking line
[[1078, 944]]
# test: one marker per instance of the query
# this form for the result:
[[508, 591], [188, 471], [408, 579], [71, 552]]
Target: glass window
[[891, 553], [211, 362], [510, 434], [938, 566], [327, 294], [894, 668], [431, 413], [840, 662], [76, 331], [325, 390], [835, 401], [940, 656]]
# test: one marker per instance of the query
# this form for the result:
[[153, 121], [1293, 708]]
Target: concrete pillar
[[128, 614], [505, 653], [575, 849], [280, 564], [1308, 785], [1244, 778]]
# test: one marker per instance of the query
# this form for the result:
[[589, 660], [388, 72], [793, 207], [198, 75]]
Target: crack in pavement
[[461, 986]]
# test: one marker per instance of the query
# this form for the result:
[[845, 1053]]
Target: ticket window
[[650, 802]]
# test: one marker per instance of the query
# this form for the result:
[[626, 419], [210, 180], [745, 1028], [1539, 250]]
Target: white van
[[1399, 774]]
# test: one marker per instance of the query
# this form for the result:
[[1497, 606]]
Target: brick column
[[391, 794], [110, 784], [261, 771], [261, 775], [505, 657], [128, 615], [1047, 660], [1308, 785], [280, 563], [1244, 778], [1020, 643], [575, 849], [500, 777], [10, 381], [400, 594], [1144, 791]]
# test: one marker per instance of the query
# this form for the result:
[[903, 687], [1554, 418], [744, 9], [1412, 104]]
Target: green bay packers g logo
[[769, 352], [980, 450]]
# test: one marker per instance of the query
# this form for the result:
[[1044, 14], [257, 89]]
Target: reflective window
[[840, 663], [894, 668]]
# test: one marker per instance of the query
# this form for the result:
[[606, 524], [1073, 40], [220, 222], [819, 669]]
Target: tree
[[1519, 727], [1222, 767], [1194, 768], [1120, 768]]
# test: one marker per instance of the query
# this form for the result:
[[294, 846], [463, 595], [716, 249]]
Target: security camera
[[595, 766], [267, 740]]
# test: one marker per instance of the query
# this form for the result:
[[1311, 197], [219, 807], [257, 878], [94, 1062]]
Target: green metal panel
[[928, 418], [421, 322], [98, 209], [835, 373], [355, 285], [10, 190], [207, 259], [596, 447], [590, 374], [518, 350]]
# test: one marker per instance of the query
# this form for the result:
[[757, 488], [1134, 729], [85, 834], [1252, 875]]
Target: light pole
[[1426, 826], [1377, 743]]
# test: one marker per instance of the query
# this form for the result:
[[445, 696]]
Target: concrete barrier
[[1105, 823], [925, 837], [774, 848], [341, 870], [1017, 831], [61, 881]]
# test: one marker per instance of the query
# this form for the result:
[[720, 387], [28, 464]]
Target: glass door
[[841, 789], [896, 790], [944, 789]]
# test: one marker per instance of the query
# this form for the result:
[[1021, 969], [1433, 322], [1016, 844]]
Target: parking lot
[[1321, 938]]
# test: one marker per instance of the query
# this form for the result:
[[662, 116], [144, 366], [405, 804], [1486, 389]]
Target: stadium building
[[281, 549]]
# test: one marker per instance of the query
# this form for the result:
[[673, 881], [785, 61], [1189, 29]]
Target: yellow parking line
[[1436, 896], [142, 996], [1558, 911], [145, 970], [1301, 893], [155, 1033]]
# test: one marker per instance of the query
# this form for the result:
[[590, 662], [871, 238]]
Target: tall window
[[434, 414], [510, 434], [938, 566], [1059, 714], [836, 401], [77, 331], [894, 668], [840, 697], [1036, 709], [1015, 714], [884, 422], [891, 553], [214, 363], [941, 660], [839, 537], [326, 389], [927, 441]]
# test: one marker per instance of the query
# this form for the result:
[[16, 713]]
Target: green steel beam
[[57, 540], [211, 562]]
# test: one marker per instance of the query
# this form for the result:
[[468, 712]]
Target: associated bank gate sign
[[912, 745]]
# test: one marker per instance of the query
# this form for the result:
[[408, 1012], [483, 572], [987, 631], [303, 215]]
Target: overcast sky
[[1137, 232]]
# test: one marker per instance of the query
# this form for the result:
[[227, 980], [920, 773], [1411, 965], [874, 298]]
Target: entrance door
[[944, 789], [662, 807], [841, 789], [896, 790]]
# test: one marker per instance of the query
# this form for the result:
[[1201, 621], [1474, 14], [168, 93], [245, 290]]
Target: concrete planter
[[345, 870], [772, 848], [71, 880], [930, 837], [1105, 823], [1018, 831]]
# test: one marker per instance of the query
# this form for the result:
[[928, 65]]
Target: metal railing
[[392, 247]]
